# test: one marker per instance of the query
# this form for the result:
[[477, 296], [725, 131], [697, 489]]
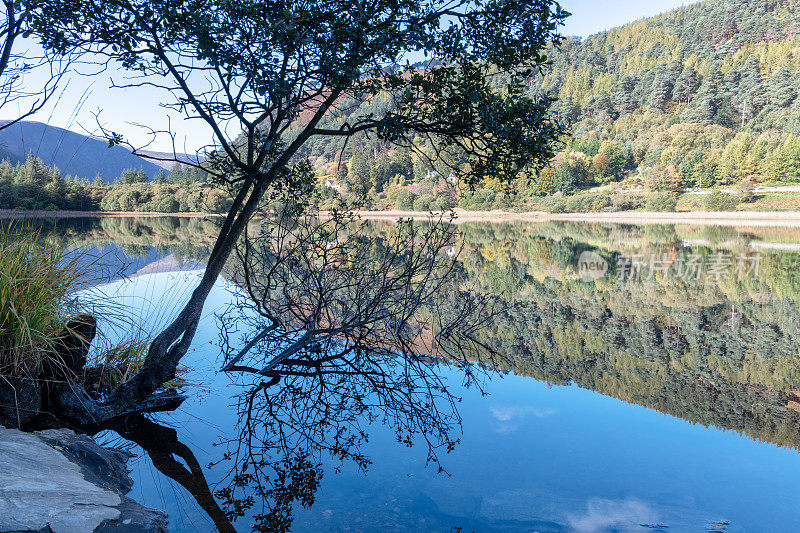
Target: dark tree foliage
[[686, 84], [267, 77], [706, 103], [34, 185], [783, 88], [661, 90]]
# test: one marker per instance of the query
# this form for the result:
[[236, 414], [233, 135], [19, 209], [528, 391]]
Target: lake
[[650, 383]]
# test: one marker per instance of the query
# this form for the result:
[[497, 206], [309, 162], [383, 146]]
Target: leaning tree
[[267, 76]]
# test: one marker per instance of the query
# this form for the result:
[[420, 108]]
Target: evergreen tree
[[600, 106], [628, 157], [661, 89], [782, 89], [625, 94], [749, 97], [402, 165], [686, 84], [567, 110], [644, 88], [359, 177], [703, 108], [131, 176]]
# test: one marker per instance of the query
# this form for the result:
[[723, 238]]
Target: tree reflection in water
[[345, 328], [283, 434], [164, 449], [341, 329], [656, 341]]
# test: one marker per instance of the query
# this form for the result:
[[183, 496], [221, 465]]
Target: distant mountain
[[166, 160], [74, 154]]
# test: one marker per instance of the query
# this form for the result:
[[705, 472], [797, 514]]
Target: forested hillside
[[710, 89], [703, 96], [706, 96]]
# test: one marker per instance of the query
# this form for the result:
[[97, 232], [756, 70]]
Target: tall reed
[[42, 287], [38, 295]]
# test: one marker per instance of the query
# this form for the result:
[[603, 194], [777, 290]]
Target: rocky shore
[[59, 481]]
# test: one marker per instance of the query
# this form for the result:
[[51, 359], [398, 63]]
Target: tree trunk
[[172, 344], [139, 394]]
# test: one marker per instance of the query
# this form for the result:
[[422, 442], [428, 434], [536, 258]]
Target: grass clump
[[38, 286], [42, 288]]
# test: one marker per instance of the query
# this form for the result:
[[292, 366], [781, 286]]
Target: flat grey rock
[[66, 482]]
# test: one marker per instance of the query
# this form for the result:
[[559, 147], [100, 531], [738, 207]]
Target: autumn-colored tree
[[601, 168], [737, 161], [667, 179], [542, 183]]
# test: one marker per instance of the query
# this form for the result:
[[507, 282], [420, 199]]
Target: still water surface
[[653, 385]]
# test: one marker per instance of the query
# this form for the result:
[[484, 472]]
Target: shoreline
[[707, 218], [34, 213]]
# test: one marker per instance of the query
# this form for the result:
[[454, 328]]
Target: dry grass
[[115, 363]]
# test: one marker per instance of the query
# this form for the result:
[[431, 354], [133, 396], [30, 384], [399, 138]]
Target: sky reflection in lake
[[533, 456]]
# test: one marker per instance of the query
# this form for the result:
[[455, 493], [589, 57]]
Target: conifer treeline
[[709, 89], [33, 185], [704, 95]]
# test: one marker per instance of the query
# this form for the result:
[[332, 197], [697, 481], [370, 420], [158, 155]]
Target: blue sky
[[592, 16], [120, 108]]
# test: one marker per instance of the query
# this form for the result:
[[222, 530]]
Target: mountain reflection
[[712, 349], [701, 323]]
